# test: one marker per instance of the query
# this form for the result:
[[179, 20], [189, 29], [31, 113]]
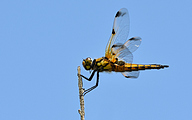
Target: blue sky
[[42, 42]]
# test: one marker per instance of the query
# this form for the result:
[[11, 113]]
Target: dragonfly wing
[[121, 52], [124, 51], [132, 74], [133, 44], [120, 31]]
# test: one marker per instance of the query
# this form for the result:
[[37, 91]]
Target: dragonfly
[[118, 53]]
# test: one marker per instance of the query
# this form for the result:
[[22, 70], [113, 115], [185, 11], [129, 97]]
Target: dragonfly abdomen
[[136, 67]]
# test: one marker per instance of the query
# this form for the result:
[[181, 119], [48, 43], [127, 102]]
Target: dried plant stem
[[81, 97]]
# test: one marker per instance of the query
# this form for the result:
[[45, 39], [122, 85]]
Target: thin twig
[[81, 97]]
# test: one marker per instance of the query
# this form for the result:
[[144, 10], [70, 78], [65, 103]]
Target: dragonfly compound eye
[[87, 63]]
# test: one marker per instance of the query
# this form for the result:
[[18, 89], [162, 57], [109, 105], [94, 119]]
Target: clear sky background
[[42, 42]]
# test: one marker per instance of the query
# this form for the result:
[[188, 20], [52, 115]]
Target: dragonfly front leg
[[91, 88], [90, 78]]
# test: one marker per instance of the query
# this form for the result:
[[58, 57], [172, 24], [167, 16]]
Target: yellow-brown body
[[118, 51], [103, 64]]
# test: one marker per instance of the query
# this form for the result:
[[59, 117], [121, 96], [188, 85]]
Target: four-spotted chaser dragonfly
[[118, 53]]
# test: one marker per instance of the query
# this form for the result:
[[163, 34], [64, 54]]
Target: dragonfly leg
[[91, 88], [90, 78]]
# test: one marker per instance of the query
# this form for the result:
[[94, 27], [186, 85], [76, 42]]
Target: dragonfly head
[[87, 63]]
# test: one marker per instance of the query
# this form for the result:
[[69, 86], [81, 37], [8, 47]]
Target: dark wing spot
[[114, 46], [120, 46], [132, 38], [113, 31], [118, 14], [128, 76]]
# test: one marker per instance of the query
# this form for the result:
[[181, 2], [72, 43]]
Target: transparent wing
[[133, 44], [133, 74], [121, 52], [124, 51], [120, 31]]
